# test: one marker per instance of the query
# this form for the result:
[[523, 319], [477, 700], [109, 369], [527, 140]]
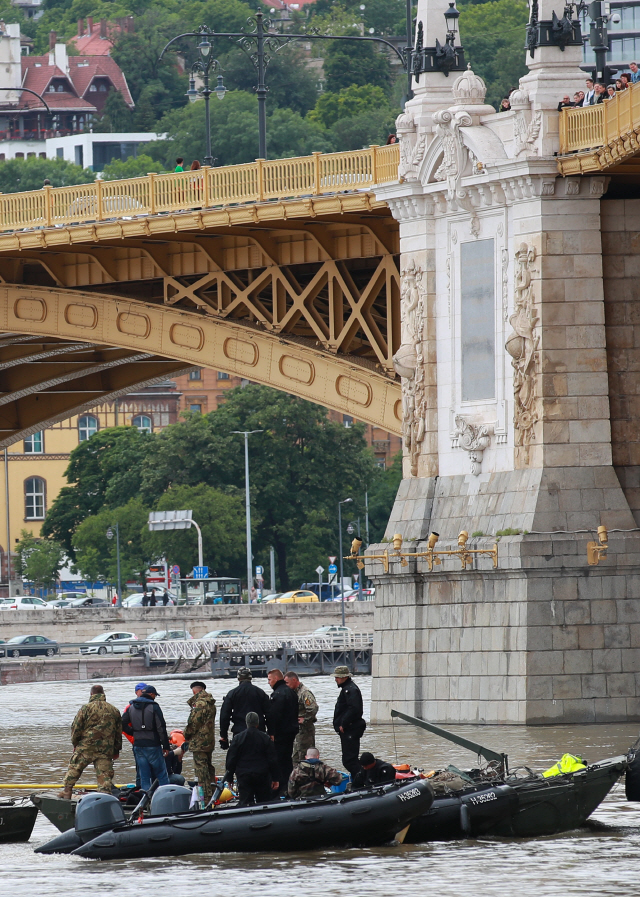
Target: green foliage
[[509, 531], [477, 534], [17, 175], [292, 84], [347, 63], [221, 518], [132, 167], [364, 129], [116, 115], [348, 103], [386, 17], [382, 495], [94, 552], [493, 36], [39, 560], [104, 470]]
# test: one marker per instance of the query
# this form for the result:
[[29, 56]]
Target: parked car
[[337, 634], [68, 596], [29, 645], [300, 596], [6, 603], [27, 602], [135, 600], [110, 643], [89, 601], [368, 594], [223, 633], [349, 595], [328, 591], [165, 635], [64, 602]]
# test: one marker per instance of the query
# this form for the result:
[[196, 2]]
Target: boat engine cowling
[[169, 799], [97, 813]]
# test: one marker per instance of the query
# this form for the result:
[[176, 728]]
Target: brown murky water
[[601, 859]]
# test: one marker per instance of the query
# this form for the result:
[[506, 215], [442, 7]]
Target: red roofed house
[[75, 89]]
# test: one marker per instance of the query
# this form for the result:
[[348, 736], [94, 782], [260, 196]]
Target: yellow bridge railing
[[591, 127], [258, 181]]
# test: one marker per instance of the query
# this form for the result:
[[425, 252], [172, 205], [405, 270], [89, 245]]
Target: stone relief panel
[[473, 440], [409, 360], [522, 345]]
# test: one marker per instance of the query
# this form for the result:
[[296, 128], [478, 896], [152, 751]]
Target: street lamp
[[340, 503], [246, 434], [110, 536], [205, 64]]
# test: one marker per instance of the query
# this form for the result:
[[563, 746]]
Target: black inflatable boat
[[17, 819], [361, 819]]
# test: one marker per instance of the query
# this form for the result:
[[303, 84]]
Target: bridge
[[283, 272]]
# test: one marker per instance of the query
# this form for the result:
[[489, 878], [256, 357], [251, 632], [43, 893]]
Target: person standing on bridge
[[201, 736], [348, 721], [245, 698], [96, 735], [307, 717], [282, 723]]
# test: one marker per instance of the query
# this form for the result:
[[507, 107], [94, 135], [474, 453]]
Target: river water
[[600, 859]]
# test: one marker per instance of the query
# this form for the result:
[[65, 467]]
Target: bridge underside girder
[[308, 306]]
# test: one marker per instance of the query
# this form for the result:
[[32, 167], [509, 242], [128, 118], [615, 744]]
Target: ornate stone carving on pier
[[413, 142], [522, 345], [474, 439], [409, 360]]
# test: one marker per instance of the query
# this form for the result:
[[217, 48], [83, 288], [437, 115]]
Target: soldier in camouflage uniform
[[200, 733], [307, 715], [96, 735], [311, 775]]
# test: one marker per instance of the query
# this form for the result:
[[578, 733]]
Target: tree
[[363, 130], [347, 63], [17, 175], [116, 115], [349, 102], [292, 84], [299, 464], [95, 552], [381, 498], [384, 16], [133, 167], [104, 470], [496, 54], [39, 560], [220, 516]]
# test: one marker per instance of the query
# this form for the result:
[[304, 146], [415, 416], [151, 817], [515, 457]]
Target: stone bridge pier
[[520, 412]]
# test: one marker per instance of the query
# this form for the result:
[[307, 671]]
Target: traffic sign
[[319, 570], [332, 559], [259, 571], [175, 570], [200, 572], [333, 569]]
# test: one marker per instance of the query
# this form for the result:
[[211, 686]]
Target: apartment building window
[[196, 408], [195, 375], [143, 423], [34, 498], [347, 420], [34, 444], [87, 426], [222, 375], [381, 463]]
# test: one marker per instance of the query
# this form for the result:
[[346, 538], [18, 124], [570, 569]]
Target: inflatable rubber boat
[[361, 819], [17, 819]]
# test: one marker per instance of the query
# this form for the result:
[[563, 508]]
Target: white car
[[165, 635], [26, 602], [110, 643], [338, 634]]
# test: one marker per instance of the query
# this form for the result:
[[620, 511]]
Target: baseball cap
[[140, 686], [150, 690], [244, 673]]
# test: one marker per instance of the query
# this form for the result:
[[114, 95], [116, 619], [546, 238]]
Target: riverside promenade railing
[[590, 127], [258, 181]]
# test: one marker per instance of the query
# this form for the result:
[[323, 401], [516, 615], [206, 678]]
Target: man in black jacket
[[144, 721], [245, 698], [252, 759], [348, 721], [282, 724], [376, 772]]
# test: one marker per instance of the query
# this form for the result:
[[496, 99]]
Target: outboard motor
[[632, 778], [97, 813], [170, 799]]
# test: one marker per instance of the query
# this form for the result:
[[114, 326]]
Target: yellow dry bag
[[567, 763]]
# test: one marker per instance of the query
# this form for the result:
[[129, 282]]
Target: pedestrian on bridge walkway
[[96, 735]]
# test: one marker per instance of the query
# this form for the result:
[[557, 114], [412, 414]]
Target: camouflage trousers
[[103, 764], [305, 739], [205, 772]]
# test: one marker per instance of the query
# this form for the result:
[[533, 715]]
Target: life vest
[[566, 764]]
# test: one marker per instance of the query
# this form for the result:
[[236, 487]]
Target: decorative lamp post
[[205, 64], [340, 503], [110, 536]]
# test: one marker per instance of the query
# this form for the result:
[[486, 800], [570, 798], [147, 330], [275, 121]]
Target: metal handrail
[[591, 127], [191, 648], [259, 181]]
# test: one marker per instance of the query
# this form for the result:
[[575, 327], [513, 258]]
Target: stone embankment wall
[[82, 624]]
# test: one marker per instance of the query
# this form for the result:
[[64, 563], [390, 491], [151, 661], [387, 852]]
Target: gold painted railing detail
[[594, 138], [259, 181]]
